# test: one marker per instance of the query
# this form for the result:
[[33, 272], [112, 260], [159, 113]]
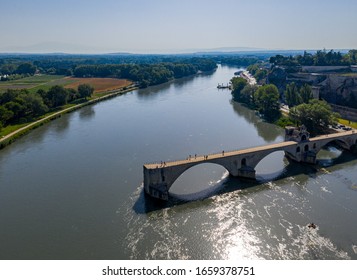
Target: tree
[[16, 107], [34, 104], [352, 54], [8, 69], [267, 100], [292, 96], [317, 115], [57, 96], [238, 84], [26, 68], [306, 93], [247, 94], [85, 90], [5, 115], [261, 74], [72, 94]]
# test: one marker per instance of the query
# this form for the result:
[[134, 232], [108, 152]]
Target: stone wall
[[338, 89], [345, 112], [323, 69]]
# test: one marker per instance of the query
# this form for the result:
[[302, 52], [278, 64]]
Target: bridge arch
[[259, 157], [178, 171], [271, 166], [198, 178], [340, 142]]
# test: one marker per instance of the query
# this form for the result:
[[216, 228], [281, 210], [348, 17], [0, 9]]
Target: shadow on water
[[145, 204], [61, 126], [87, 113], [342, 158]]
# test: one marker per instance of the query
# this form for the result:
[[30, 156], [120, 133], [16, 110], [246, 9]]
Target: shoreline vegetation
[[27, 127]]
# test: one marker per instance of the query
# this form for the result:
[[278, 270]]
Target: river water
[[72, 189]]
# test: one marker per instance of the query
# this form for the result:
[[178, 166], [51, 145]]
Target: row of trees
[[145, 69], [18, 106], [295, 96], [146, 74], [320, 58], [20, 69]]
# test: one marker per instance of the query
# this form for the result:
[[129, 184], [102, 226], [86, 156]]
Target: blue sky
[[154, 26]]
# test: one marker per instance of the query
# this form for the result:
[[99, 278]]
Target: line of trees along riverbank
[[21, 106], [146, 70], [147, 74]]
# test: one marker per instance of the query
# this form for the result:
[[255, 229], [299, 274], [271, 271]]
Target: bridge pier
[[309, 157], [158, 191], [246, 172], [155, 183]]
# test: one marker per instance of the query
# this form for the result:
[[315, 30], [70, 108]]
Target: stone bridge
[[158, 178]]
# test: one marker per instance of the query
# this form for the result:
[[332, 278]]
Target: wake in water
[[152, 236]]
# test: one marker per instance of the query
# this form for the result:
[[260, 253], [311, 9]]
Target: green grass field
[[348, 123], [349, 74], [34, 83]]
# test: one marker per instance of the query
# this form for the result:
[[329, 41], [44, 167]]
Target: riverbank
[[12, 136]]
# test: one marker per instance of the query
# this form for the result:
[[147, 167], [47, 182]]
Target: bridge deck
[[201, 158], [332, 135]]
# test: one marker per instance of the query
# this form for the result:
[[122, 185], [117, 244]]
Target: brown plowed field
[[99, 84]]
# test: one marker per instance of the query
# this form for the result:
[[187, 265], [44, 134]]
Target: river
[[72, 189]]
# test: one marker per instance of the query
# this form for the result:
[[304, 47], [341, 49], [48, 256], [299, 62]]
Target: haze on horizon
[[157, 26]]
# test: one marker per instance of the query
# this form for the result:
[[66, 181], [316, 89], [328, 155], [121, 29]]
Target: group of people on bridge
[[205, 157]]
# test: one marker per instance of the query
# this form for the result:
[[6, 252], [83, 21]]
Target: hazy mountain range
[[67, 48]]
